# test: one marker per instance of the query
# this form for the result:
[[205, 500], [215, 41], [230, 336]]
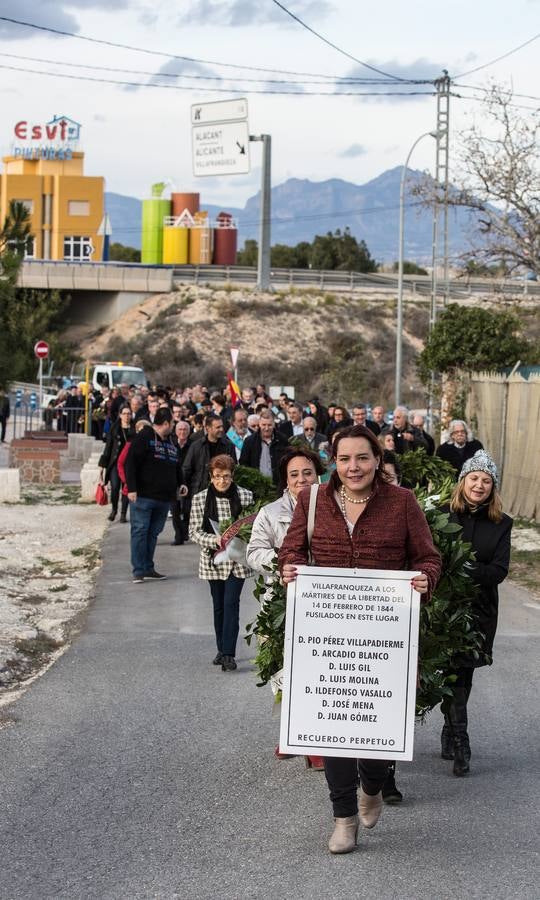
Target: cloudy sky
[[136, 135]]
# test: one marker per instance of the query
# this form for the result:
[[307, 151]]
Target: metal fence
[[27, 415]]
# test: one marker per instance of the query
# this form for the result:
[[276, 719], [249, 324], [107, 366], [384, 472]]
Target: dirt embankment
[[50, 553], [341, 346]]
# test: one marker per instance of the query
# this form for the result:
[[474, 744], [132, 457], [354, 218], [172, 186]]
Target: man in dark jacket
[[418, 421], [457, 449], [263, 450], [195, 467], [153, 478], [181, 507], [293, 426], [312, 437], [406, 436]]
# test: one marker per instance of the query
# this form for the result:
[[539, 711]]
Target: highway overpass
[[103, 291]]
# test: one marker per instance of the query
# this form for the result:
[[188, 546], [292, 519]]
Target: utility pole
[[263, 261], [442, 132]]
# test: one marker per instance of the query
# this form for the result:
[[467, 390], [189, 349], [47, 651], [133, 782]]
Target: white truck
[[112, 374]]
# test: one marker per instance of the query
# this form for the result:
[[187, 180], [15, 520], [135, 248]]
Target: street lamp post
[[399, 328]]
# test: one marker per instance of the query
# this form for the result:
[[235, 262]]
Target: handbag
[[102, 498]]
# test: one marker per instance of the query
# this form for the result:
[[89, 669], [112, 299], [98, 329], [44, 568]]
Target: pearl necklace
[[344, 496]]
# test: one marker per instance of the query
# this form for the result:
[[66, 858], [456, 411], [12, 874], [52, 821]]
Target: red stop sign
[[41, 349]]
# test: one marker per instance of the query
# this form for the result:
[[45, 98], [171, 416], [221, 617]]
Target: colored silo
[[180, 202], [225, 241], [200, 241], [153, 213], [175, 245]]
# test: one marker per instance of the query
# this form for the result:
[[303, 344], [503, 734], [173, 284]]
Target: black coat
[[457, 457], [195, 466], [252, 448], [116, 441], [491, 544], [402, 446]]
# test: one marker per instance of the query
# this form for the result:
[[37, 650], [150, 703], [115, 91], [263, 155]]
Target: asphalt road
[[136, 769]]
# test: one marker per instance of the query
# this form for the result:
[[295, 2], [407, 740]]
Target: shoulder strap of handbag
[[311, 512]]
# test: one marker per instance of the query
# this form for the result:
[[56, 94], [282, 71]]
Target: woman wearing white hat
[[476, 505]]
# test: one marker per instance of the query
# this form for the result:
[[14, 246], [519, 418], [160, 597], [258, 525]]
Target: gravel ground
[[49, 556]]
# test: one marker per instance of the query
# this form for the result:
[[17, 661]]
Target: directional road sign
[[220, 149], [220, 111]]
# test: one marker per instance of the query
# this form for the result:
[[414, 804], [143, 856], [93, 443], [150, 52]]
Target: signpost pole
[[41, 352], [87, 398], [263, 262], [40, 382]]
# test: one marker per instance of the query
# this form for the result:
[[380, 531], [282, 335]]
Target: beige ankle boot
[[345, 834], [370, 808]]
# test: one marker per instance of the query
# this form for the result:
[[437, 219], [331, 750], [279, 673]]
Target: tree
[[248, 256], [16, 230], [25, 317], [342, 251], [499, 178], [282, 257], [473, 339], [409, 268], [123, 253]]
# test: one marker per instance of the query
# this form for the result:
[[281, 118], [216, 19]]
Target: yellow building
[[66, 206]]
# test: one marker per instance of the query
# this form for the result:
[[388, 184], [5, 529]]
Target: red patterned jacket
[[392, 533]]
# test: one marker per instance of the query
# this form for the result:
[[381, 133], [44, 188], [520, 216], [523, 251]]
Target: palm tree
[[17, 228]]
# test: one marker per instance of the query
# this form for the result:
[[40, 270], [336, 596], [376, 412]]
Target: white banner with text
[[350, 663]]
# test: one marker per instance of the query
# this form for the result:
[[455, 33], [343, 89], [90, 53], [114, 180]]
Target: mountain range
[[302, 209]]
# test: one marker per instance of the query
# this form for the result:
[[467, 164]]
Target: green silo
[[153, 213]]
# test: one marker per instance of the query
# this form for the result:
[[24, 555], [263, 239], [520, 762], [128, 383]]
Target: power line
[[483, 100], [312, 216], [340, 50], [221, 90], [487, 90], [228, 78], [498, 58], [193, 59]]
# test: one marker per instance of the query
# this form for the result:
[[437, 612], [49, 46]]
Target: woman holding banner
[[361, 521]]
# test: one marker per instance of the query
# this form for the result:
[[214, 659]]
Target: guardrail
[[350, 281], [120, 276]]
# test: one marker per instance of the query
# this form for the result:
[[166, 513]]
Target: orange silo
[[180, 202], [225, 240], [200, 241]]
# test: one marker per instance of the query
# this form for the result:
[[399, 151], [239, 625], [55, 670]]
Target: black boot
[[461, 762], [112, 516], [447, 740], [124, 508], [457, 714], [390, 792]]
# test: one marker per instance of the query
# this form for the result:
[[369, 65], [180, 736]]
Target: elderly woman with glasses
[[460, 445], [221, 500]]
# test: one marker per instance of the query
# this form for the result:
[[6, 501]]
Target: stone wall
[[38, 461]]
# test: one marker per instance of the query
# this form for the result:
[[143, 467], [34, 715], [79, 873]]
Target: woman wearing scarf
[[476, 506], [222, 500]]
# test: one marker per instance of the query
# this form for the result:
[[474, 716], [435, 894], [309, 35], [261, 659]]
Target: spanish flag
[[235, 391]]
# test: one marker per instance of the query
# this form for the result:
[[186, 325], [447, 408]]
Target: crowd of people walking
[[174, 453]]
